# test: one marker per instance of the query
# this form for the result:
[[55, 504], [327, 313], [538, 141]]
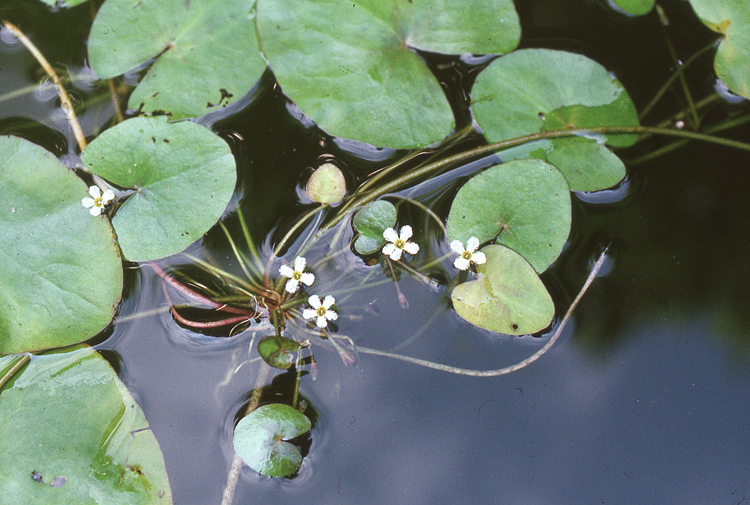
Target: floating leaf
[[71, 433], [260, 439], [527, 202], [507, 298], [371, 221], [326, 184], [278, 352], [731, 18], [350, 66], [182, 176], [206, 52], [60, 273], [635, 7], [535, 90], [64, 3]]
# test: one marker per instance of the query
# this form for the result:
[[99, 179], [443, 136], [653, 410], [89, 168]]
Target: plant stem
[[20, 363], [67, 105], [508, 369]]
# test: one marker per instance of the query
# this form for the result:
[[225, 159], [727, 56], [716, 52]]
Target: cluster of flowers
[[397, 244]]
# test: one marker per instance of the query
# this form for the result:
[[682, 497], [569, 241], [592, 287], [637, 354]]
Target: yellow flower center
[[321, 311], [466, 255], [399, 243], [297, 276]]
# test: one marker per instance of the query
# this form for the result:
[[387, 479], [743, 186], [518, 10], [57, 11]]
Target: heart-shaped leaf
[[326, 184], [371, 221], [526, 202], [260, 439], [60, 272], [732, 19], [278, 351], [635, 7], [351, 68], [206, 52], [507, 298], [182, 176], [72, 433]]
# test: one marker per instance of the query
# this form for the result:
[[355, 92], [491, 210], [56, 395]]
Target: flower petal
[[299, 264], [95, 192], [314, 301], [286, 271], [322, 322], [390, 235], [406, 233], [473, 244], [457, 247], [108, 196], [88, 202], [389, 248], [309, 313], [461, 263], [331, 315], [292, 285], [95, 210], [307, 278], [478, 258], [328, 301], [411, 247], [396, 253]]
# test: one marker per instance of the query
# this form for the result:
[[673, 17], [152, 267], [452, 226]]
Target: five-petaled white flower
[[96, 203], [296, 275], [321, 312], [469, 255], [399, 243]]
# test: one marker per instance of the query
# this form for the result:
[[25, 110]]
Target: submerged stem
[[20, 363], [508, 369]]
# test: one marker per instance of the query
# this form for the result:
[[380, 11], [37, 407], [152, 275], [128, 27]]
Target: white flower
[[97, 202], [398, 243], [297, 275], [469, 255], [321, 312]]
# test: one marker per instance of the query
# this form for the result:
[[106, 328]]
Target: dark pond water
[[643, 400]]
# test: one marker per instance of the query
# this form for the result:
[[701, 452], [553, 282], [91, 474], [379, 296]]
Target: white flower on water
[[468, 255], [321, 312], [399, 243], [97, 202], [296, 275]]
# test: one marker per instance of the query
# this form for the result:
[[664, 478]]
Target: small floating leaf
[[527, 202], [182, 176], [350, 66], [60, 272], [535, 90], [72, 433], [260, 439], [371, 221], [206, 52], [278, 351], [507, 298], [732, 19], [326, 184], [635, 7]]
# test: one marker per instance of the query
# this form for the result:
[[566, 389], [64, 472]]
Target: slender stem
[[677, 73], [508, 369], [249, 240], [683, 81], [67, 105], [296, 226], [234, 472], [20, 362]]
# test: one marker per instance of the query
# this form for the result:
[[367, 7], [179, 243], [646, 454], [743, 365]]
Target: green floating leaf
[[71, 433], [635, 7], [507, 298], [260, 439], [326, 184], [64, 3], [60, 272], [278, 352], [206, 52], [350, 67], [371, 221], [527, 202], [732, 19], [183, 177], [535, 90]]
